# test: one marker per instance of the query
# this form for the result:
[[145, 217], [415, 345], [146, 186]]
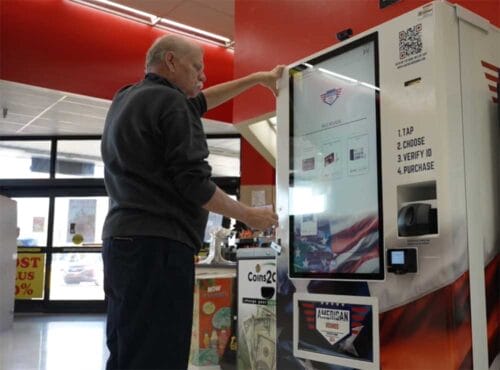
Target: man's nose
[[202, 77]]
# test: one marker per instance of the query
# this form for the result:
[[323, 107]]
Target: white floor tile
[[54, 342]]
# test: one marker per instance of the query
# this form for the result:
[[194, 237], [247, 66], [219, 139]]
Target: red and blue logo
[[331, 96]]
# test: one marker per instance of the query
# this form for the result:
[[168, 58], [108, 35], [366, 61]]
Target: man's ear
[[169, 61]]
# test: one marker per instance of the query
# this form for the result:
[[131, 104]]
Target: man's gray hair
[[156, 53]]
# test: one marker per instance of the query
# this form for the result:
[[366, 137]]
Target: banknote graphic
[[264, 353], [259, 333]]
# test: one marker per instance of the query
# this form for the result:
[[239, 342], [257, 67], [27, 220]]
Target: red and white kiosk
[[388, 195]]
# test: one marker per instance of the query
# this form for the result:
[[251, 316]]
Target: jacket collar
[[154, 77]]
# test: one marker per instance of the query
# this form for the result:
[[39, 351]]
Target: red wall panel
[[255, 170], [275, 32], [279, 32], [66, 46]]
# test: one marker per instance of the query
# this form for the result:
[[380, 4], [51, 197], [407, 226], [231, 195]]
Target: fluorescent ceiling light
[[121, 10], [192, 30], [155, 21], [370, 86], [338, 75], [349, 79]]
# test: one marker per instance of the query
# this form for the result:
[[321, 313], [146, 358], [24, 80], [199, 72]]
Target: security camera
[[344, 35]]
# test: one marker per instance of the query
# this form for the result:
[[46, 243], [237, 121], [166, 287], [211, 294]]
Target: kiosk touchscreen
[[335, 175]]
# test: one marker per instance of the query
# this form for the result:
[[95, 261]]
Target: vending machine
[[256, 309], [388, 196]]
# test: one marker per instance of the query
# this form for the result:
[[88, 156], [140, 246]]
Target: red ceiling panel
[[66, 46]]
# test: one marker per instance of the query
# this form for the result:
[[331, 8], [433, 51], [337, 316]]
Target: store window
[[58, 183], [24, 159], [224, 157], [32, 221], [79, 159], [76, 276], [78, 221]]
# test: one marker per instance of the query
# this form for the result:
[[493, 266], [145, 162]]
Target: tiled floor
[[54, 342]]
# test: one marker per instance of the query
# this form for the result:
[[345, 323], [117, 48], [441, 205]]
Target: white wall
[[8, 231]]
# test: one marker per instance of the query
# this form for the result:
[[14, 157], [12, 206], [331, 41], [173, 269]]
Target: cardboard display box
[[212, 317]]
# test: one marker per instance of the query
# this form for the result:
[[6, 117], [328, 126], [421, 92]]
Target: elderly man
[[154, 150]]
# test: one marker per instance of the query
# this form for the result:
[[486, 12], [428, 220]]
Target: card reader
[[402, 261]]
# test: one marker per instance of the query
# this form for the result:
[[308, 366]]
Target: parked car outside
[[81, 270]]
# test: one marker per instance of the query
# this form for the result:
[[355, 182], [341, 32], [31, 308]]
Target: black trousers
[[149, 284]]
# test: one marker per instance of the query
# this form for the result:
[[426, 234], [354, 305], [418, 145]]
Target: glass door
[[59, 253]]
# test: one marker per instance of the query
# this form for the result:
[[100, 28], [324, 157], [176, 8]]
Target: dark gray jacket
[[156, 174]]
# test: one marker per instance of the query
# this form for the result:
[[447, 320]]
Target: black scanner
[[417, 219]]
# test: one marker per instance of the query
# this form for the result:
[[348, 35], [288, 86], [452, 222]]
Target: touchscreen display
[[335, 187]]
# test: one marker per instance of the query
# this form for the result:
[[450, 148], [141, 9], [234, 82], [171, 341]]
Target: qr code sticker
[[410, 41]]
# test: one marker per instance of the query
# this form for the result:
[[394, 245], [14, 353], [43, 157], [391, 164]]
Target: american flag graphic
[[343, 340], [354, 247], [492, 74]]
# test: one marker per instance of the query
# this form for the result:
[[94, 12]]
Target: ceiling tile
[[16, 118], [216, 127], [38, 130], [88, 101], [74, 114], [9, 128], [81, 109], [21, 107], [37, 100]]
